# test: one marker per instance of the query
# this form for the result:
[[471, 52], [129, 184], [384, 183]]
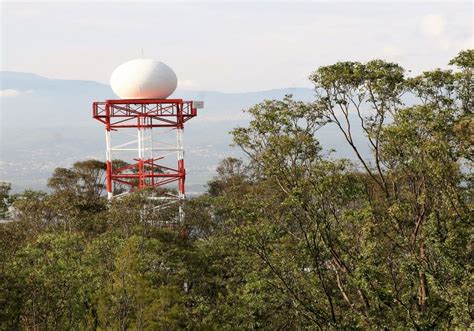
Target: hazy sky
[[238, 46]]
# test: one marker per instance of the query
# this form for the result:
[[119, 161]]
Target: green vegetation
[[291, 239]]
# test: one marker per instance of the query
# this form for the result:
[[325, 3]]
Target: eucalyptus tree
[[380, 242]]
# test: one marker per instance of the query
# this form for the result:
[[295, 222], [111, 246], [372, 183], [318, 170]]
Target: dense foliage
[[292, 238]]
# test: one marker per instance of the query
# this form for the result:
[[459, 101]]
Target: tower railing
[[166, 112]]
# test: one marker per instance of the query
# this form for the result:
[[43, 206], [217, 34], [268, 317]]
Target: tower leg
[[180, 154], [141, 156], [108, 156], [180, 213]]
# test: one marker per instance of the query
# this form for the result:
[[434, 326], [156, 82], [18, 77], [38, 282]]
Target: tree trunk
[[423, 287]]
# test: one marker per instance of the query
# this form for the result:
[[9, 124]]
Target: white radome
[[143, 79]]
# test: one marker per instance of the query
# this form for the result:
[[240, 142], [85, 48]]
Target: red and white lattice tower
[[135, 130]]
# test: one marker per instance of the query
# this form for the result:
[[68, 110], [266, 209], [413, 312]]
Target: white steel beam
[[108, 156]]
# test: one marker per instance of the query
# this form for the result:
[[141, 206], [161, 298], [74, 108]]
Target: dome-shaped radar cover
[[143, 79]]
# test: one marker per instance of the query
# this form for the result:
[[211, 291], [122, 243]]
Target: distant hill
[[47, 123]]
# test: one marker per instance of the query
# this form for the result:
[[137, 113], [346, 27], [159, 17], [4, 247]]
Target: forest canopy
[[290, 237]]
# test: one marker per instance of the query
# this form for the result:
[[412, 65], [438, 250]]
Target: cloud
[[442, 38], [9, 93], [26, 13], [433, 25]]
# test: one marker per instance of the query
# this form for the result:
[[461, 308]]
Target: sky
[[230, 46]]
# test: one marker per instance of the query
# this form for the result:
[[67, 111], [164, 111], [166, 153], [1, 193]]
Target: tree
[[143, 290], [231, 172], [5, 199], [47, 284], [85, 178], [368, 234]]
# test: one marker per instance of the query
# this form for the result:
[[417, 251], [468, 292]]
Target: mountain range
[[47, 123]]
